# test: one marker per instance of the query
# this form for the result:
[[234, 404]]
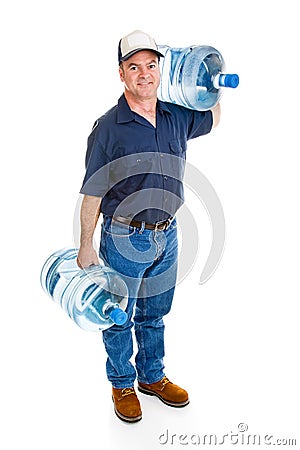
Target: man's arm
[[89, 215], [216, 112]]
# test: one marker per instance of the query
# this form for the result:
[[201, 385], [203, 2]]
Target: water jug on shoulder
[[193, 76]]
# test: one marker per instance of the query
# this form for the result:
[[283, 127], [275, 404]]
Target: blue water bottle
[[95, 298], [193, 76]]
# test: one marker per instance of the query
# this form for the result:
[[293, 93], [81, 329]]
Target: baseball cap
[[135, 42]]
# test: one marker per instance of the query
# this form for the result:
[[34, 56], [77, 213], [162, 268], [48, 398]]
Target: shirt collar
[[125, 114], [162, 106]]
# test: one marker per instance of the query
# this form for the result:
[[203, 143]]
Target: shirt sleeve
[[96, 176], [201, 123]]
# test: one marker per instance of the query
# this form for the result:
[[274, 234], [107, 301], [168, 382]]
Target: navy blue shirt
[[137, 168]]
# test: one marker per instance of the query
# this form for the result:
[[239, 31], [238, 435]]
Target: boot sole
[[166, 402]]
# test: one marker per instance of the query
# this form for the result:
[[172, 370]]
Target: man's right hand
[[87, 256]]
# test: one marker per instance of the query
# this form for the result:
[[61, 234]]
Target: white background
[[233, 342]]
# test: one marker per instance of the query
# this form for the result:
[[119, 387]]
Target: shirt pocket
[[177, 147], [177, 158]]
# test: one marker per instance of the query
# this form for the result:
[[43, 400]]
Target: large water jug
[[95, 298], [193, 76]]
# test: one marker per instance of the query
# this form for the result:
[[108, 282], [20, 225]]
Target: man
[[134, 168]]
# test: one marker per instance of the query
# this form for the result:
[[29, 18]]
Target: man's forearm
[[89, 215], [216, 112]]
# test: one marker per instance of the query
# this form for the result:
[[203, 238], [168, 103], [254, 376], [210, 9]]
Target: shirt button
[[165, 178]]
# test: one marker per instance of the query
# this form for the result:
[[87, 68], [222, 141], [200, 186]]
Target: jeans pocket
[[118, 230]]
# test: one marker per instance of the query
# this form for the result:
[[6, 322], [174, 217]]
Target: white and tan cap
[[135, 42]]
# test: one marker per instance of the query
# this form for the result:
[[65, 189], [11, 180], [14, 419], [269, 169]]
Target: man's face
[[140, 75]]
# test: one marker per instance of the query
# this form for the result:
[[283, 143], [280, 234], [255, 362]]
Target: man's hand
[[87, 257]]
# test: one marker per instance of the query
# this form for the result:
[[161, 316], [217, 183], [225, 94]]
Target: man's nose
[[144, 71]]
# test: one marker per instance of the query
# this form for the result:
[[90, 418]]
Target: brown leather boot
[[127, 405], [167, 392]]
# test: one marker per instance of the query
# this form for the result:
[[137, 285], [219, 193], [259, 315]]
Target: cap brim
[[124, 58]]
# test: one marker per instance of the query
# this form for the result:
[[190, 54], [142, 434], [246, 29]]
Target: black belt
[[158, 226]]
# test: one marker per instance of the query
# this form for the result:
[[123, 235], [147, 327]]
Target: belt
[[158, 226]]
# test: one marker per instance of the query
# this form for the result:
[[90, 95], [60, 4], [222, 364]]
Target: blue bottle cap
[[118, 316], [231, 80]]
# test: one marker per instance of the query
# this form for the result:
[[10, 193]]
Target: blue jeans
[[147, 261]]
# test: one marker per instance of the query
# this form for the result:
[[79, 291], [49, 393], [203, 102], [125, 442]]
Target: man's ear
[[121, 73]]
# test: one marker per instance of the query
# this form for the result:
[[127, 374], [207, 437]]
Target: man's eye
[[152, 66], [133, 68]]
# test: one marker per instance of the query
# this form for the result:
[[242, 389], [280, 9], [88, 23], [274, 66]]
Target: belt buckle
[[164, 225], [157, 225]]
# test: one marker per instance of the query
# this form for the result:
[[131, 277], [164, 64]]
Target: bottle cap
[[118, 316], [231, 80]]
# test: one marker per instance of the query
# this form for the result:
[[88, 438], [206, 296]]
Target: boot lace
[[127, 391], [165, 380]]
